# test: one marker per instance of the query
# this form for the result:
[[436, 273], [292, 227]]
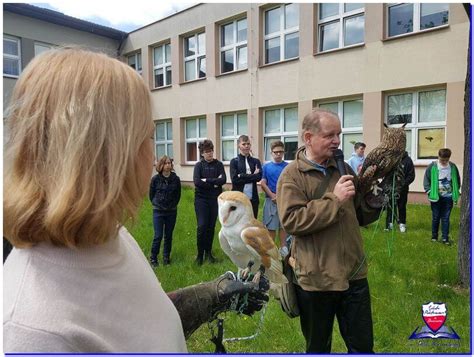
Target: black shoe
[[154, 262], [199, 260], [211, 258], [166, 261]]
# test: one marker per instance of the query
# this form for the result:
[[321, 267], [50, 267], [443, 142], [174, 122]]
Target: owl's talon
[[246, 271], [258, 274]]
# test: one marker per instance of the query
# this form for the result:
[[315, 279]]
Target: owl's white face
[[233, 212]]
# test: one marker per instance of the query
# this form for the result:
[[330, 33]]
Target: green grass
[[405, 271]]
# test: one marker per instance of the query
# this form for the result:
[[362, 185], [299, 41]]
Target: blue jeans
[[441, 211], [163, 223]]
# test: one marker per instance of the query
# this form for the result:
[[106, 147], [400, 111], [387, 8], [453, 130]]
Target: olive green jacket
[[327, 244]]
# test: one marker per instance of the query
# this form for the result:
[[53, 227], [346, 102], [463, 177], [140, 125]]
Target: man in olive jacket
[[322, 210]]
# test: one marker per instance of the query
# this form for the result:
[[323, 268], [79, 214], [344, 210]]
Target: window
[[41, 47], [196, 131], [162, 65], [195, 56], [135, 61], [232, 126], [340, 25], [350, 111], [233, 48], [281, 124], [281, 33], [11, 56], [163, 138], [414, 17], [425, 115]]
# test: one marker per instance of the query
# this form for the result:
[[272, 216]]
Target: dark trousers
[[400, 206], [440, 211], [353, 312], [206, 214], [163, 224], [254, 207]]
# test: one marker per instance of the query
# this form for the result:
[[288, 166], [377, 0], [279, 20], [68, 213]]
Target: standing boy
[[358, 157]]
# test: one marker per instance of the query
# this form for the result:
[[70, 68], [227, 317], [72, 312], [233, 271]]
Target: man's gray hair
[[311, 121]]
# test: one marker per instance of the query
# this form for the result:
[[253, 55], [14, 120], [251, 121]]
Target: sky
[[121, 15]]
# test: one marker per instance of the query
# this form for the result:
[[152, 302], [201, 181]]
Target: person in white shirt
[[77, 166]]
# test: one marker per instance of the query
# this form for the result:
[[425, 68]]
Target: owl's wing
[[262, 247]]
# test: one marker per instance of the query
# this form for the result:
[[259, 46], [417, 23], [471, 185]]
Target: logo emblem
[[434, 315]]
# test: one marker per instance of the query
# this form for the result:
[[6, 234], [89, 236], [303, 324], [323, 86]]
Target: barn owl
[[245, 240]]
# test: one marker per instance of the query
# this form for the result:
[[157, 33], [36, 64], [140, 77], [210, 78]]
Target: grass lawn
[[405, 271]]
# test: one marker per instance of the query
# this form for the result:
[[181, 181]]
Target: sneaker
[[403, 228], [166, 261], [199, 260], [446, 242], [284, 251], [434, 239], [154, 262]]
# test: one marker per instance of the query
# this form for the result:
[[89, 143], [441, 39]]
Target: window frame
[[42, 44], [416, 20], [17, 40], [162, 66], [282, 134], [415, 124], [340, 18], [195, 140], [167, 141], [234, 137], [282, 33], [234, 46], [197, 57], [136, 55]]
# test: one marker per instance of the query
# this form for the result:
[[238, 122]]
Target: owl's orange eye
[[233, 208]]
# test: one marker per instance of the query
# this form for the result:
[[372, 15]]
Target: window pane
[[191, 129], [291, 15], [272, 21], [291, 119], [41, 48], [10, 47], [170, 150], [139, 61], [228, 147], [227, 125], [202, 43], [202, 67], [168, 53], [190, 71], [292, 45], [168, 75], [227, 58], [158, 55], [400, 19], [10, 67], [432, 106], [272, 121], [159, 79], [354, 30], [348, 141], [202, 128], [242, 124], [191, 151], [351, 7], [272, 50], [330, 106], [169, 131], [227, 35], [291, 145], [429, 142], [352, 114], [326, 10], [160, 131], [268, 143], [399, 109], [242, 57], [242, 30], [189, 46], [131, 61], [433, 15], [160, 150], [409, 139], [329, 36]]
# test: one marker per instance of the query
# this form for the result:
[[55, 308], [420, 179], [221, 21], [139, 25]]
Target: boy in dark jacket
[[165, 192]]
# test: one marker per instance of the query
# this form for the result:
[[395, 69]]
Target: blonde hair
[[312, 121], [74, 161]]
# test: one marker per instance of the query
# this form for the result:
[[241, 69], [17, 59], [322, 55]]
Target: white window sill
[[279, 62], [10, 76], [403, 35], [232, 72], [194, 80], [340, 49], [162, 87]]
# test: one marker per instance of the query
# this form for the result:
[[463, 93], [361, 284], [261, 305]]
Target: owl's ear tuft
[[404, 125], [385, 125]]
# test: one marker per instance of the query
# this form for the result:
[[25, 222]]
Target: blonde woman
[[78, 164]]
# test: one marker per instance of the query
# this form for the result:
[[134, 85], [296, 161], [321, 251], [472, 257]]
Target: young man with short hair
[[357, 158]]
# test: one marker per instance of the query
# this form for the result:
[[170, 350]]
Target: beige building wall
[[369, 71]]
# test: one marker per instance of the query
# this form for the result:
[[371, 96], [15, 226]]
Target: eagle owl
[[385, 159], [244, 239]]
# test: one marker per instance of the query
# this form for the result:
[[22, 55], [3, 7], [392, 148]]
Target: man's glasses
[[278, 152]]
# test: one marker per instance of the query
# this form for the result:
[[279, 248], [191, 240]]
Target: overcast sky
[[122, 15]]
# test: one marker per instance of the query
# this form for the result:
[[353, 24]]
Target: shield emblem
[[434, 315]]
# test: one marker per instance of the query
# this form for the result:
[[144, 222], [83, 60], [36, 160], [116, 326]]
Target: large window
[[163, 138], [41, 47], [11, 56], [162, 65], [233, 46], [135, 61], [195, 56], [350, 112], [196, 131], [281, 124], [232, 126], [340, 25], [281, 39], [413, 17], [425, 115]]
